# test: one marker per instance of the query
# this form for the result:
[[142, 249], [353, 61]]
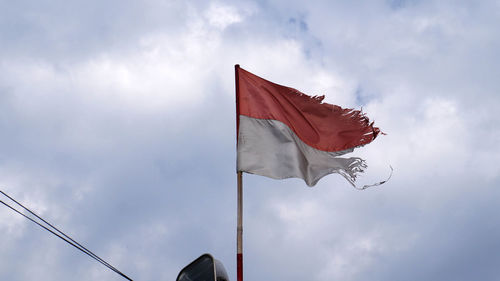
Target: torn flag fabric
[[283, 133]]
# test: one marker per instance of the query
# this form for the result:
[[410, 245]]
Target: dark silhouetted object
[[204, 268]]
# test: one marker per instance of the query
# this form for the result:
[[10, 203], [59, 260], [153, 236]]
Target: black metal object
[[204, 268]]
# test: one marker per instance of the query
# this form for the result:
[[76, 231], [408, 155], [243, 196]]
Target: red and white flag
[[283, 133]]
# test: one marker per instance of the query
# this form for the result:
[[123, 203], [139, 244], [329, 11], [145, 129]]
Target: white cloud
[[221, 16], [126, 137]]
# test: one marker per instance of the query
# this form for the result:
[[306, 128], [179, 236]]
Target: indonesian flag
[[283, 133]]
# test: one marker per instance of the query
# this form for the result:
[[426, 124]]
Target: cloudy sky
[[117, 123]]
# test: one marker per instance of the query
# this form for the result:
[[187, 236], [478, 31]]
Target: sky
[[118, 126]]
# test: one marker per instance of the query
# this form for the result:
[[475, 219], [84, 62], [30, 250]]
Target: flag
[[283, 133]]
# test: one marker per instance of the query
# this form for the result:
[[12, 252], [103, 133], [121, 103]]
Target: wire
[[62, 235]]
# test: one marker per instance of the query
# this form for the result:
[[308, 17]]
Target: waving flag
[[283, 133]]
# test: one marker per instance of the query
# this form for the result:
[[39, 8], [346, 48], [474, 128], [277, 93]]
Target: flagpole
[[239, 227], [239, 232]]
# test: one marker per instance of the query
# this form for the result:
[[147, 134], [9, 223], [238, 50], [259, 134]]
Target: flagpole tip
[[236, 66]]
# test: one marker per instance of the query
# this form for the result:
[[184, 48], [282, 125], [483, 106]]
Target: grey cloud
[[140, 166]]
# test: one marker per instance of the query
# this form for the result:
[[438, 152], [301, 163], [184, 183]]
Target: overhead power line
[[54, 230]]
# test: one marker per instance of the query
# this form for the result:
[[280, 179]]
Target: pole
[[239, 231], [239, 227]]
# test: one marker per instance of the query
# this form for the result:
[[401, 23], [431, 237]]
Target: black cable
[[69, 240], [62, 233], [64, 239]]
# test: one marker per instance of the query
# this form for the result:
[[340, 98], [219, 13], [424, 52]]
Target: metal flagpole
[[239, 227], [239, 232]]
